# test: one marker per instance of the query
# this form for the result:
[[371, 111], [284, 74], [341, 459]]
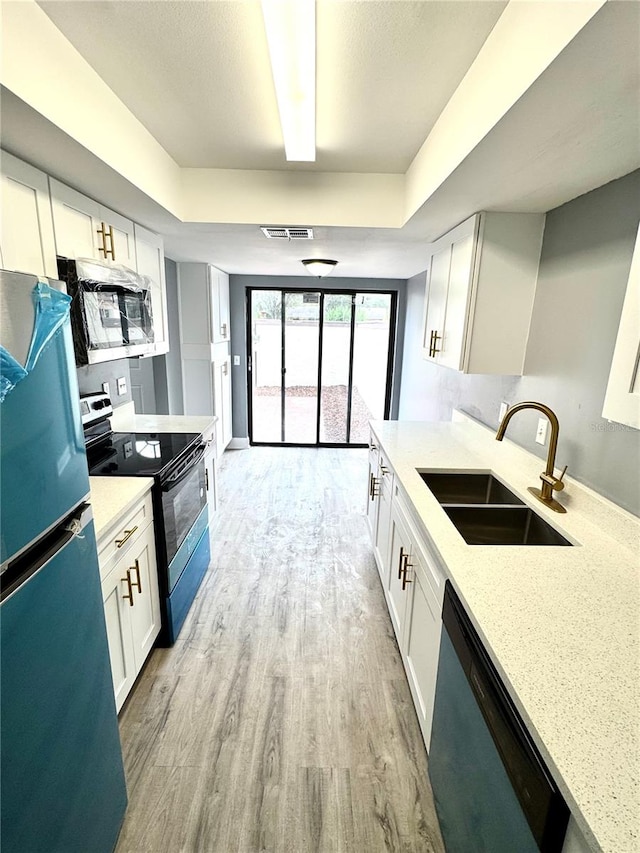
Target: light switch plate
[[122, 386], [105, 387], [541, 432], [236, 361]]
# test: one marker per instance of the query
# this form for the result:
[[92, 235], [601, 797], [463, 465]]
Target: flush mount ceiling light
[[319, 266], [291, 35]]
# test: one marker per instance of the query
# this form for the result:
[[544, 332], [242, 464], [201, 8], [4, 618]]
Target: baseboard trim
[[238, 444]]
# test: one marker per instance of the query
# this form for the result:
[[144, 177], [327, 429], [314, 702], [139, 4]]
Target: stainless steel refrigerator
[[62, 778]]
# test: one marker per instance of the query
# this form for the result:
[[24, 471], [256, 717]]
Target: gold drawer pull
[[405, 579], [127, 535], [136, 583], [223, 330], [129, 596]]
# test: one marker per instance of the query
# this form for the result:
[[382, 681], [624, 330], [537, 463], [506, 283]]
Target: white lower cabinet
[[413, 585], [423, 626], [130, 596], [210, 475]]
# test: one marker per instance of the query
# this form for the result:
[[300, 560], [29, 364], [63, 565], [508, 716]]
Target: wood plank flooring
[[281, 720]]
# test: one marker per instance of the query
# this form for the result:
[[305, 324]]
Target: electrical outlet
[[236, 361], [105, 387], [541, 432], [122, 386], [503, 409]]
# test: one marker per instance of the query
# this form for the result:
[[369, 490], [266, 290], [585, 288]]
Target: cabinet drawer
[[124, 535]]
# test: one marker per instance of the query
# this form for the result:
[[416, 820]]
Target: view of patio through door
[[319, 365]]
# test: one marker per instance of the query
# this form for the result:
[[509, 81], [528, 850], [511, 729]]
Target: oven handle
[[173, 481]]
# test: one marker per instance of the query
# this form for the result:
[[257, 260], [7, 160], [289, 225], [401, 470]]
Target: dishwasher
[[492, 791]]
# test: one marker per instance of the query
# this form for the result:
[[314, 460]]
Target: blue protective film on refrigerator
[[10, 373], [51, 310]]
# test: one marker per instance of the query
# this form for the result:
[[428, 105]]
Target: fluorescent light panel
[[291, 35]]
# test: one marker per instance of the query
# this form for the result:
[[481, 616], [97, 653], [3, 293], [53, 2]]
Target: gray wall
[[238, 285], [167, 369], [584, 268], [90, 379]]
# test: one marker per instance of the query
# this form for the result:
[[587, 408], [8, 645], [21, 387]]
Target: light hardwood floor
[[281, 720]]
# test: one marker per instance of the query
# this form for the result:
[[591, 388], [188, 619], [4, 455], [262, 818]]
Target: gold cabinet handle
[[136, 583], [373, 485], [223, 330], [403, 556], [129, 596], [103, 233], [127, 535], [433, 346], [384, 470], [405, 579], [112, 250]]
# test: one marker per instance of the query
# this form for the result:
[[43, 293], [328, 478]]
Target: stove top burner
[[138, 454]]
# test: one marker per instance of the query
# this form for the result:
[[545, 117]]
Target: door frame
[[323, 291]]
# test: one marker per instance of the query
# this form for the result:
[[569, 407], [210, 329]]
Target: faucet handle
[[555, 482]]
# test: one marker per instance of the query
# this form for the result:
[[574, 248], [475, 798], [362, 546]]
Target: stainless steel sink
[[486, 512], [502, 525], [464, 488]]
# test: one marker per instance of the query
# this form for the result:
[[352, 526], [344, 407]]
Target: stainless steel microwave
[[111, 314]]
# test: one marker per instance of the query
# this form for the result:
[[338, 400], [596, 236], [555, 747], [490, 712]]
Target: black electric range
[[140, 454], [175, 461]]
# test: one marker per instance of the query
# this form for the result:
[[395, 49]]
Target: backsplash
[[90, 379]]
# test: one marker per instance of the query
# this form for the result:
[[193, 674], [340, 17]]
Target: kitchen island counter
[[561, 623]]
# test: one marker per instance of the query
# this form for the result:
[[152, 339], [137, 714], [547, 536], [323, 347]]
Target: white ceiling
[[196, 75]]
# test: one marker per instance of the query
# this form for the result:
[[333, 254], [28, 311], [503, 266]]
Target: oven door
[[184, 496]]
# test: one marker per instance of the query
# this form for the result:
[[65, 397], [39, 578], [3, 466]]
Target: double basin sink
[[485, 512]]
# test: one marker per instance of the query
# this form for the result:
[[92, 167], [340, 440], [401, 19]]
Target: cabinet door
[[118, 619], [220, 327], [194, 293], [197, 386], [424, 623], [373, 503], [222, 402], [141, 567], [150, 262], [396, 589], [76, 222], [124, 248], [457, 304], [210, 480], [383, 528], [26, 227], [435, 302], [622, 399]]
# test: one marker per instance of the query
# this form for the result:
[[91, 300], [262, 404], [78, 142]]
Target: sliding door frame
[[351, 292]]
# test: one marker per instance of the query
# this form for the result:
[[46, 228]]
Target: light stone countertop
[[113, 497], [125, 419], [561, 624]]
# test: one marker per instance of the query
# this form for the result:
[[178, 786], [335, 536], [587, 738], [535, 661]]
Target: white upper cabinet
[[26, 227], [622, 400], [481, 281], [220, 327], [86, 229], [204, 339], [150, 262]]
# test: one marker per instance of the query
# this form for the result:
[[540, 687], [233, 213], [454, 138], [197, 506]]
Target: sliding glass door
[[319, 365]]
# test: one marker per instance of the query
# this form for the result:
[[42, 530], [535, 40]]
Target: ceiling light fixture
[[291, 35], [319, 266]]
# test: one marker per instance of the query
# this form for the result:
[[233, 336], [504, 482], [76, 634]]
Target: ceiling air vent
[[275, 233]]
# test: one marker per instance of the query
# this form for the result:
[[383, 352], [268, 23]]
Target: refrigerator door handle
[[30, 562]]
